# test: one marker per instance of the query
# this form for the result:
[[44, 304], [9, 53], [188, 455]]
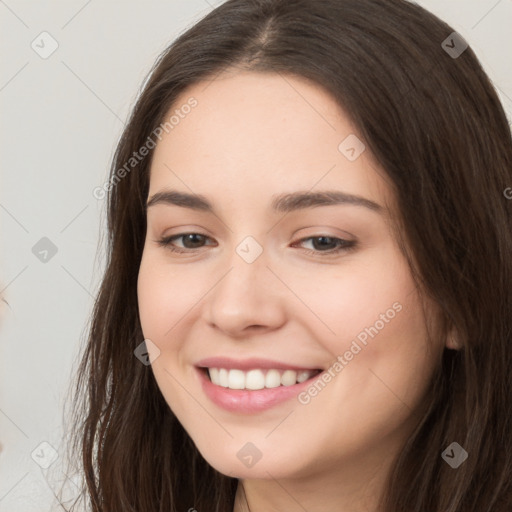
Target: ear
[[452, 340]]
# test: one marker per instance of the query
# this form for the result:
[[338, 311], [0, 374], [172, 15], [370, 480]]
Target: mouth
[[252, 386], [257, 378]]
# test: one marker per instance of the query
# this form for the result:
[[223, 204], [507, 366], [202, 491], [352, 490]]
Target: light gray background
[[60, 119]]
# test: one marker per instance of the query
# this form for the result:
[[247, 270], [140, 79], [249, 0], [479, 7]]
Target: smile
[[251, 386], [258, 378]]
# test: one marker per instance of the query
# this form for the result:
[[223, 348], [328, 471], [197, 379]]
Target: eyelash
[[343, 245]]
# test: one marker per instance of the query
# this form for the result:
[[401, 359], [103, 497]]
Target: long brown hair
[[435, 124]]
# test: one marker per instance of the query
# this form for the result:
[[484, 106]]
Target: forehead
[[253, 134]]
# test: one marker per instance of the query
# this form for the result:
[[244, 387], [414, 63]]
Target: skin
[[253, 135]]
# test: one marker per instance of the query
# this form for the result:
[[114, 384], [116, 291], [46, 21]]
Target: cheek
[[164, 299], [387, 361], [165, 295], [361, 294], [372, 317]]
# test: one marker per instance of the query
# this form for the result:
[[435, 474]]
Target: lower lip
[[247, 401]]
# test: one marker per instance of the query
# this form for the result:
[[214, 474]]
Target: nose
[[248, 298]]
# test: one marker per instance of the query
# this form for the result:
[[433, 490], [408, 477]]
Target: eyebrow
[[283, 203]]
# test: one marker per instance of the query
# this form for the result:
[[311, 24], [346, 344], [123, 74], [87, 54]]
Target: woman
[[307, 303]]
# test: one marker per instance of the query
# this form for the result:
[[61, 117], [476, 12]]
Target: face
[[274, 285]]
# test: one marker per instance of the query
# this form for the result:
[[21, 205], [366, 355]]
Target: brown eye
[[321, 242], [190, 242]]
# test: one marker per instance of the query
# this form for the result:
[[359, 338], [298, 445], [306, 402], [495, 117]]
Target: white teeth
[[272, 379], [214, 374], [257, 379], [289, 378], [254, 379], [302, 376], [236, 379], [223, 378]]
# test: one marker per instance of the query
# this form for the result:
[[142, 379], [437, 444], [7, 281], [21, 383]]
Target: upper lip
[[249, 364]]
